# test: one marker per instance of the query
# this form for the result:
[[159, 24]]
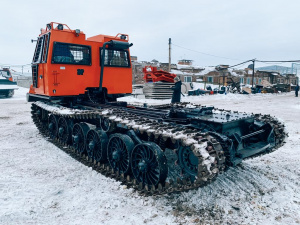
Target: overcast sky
[[235, 29]]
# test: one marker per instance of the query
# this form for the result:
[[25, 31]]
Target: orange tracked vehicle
[[169, 148]]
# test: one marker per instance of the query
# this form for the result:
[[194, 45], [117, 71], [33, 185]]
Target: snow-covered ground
[[40, 184]]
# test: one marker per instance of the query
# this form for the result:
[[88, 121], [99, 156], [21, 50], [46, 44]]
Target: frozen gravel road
[[40, 184]]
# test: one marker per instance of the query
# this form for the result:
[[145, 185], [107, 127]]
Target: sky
[[233, 30]]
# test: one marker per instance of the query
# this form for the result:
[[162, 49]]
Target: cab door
[[39, 63], [117, 77]]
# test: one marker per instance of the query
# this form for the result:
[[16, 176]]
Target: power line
[[242, 63], [271, 63], [277, 61], [265, 61], [203, 52], [262, 61]]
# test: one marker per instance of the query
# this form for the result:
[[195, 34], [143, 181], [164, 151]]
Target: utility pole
[[253, 72], [294, 67], [22, 69], [169, 69]]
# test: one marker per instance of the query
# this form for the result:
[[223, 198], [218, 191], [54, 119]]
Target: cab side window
[[64, 53], [116, 58]]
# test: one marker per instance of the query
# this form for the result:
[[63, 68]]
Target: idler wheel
[[96, 142], [107, 125], [79, 133], [65, 130], [188, 161], [118, 152], [52, 126], [149, 164]]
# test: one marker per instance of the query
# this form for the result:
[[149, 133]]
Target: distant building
[[185, 62], [154, 61], [291, 79], [165, 66], [271, 77], [133, 58], [279, 69], [222, 67]]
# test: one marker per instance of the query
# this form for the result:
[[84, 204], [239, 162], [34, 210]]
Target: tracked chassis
[[170, 148]]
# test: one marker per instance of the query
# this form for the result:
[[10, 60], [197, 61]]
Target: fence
[[23, 81]]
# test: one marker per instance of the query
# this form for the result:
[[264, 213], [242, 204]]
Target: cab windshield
[[5, 73]]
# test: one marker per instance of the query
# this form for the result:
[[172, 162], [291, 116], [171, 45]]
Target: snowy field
[[40, 184]]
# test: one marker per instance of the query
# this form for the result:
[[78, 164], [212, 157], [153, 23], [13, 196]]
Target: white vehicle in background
[[7, 85]]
